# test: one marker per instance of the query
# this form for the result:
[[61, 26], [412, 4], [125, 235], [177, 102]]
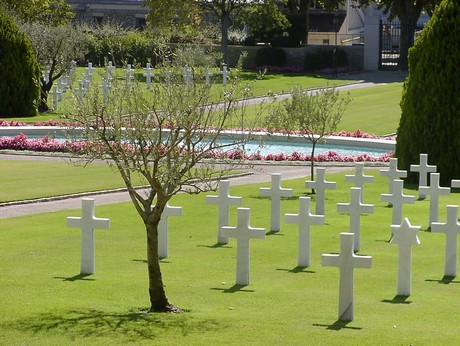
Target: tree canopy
[[47, 11]]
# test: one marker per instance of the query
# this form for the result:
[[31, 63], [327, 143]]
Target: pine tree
[[19, 71], [430, 104]]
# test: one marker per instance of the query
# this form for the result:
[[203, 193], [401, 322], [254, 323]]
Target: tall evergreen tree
[[430, 104], [19, 71]]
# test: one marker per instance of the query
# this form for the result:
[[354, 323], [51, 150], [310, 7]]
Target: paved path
[[260, 173]]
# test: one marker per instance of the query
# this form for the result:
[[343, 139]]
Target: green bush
[[270, 56], [19, 71], [324, 58], [430, 104]]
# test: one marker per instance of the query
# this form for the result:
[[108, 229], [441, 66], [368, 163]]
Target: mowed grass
[[45, 301]]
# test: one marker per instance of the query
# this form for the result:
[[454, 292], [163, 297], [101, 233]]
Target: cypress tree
[[430, 104], [19, 71]]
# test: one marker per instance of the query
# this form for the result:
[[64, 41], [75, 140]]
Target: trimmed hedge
[[19, 71], [324, 58], [270, 56], [430, 104]]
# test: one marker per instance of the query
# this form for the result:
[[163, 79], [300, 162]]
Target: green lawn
[[44, 300]]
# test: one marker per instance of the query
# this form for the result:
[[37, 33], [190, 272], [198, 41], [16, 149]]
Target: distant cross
[[423, 168], [359, 178], [225, 72], [434, 191], [243, 232], [455, 183], [129, 73], [105, 89], [86, 82], [275, 192], [451, 228], [304, 219], [355, 208], [397, 199], [81, 89], [405, 235], [188, 75], [346, 261], [163, 229], [55, 94], [73, 66], [207, 75], [148, 75], [393, 173], [61, 84], [110, 68], [89, 71], [88, 223], [224, 201], [320, 185]]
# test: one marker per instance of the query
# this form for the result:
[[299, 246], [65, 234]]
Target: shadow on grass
[[446, 279], [298, 269], [79, 277], [398, 300], [274, 233], [337, 325], [235, 288], [130, 326], [216, 246]]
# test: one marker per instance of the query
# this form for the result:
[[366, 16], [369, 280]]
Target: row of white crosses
[[60, 87]]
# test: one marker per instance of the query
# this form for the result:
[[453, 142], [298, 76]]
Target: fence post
[[371, 43]]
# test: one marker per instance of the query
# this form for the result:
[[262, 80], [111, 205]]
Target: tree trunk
[[158, 300], [312, 164], [224, 36], [44, 91], [406, 41]]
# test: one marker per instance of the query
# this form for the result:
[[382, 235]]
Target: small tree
[[430, 104], [168, 138], [310, 115], [19, 71]]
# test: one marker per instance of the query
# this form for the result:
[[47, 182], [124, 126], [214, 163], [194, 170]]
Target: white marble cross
[[61, 87], [451, 228], [243, 232], [355, 208], [423, 168], [405, 235], [304, 219], [224, 201], [207, 75], [148, 75], [163, 229], [359, 178], [320, 185], [455, 183], [188, 75], [87, 223], [105, 89], [434, 191], [225, 72], [89, 72], [393, 173], [397, 199], [129, 73], [275, 192], [346, 261], [81, 89], [55, 94]]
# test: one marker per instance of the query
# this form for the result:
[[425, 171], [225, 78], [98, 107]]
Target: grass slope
[[45, 301]]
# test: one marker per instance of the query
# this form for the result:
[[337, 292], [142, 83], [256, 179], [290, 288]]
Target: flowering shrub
[[46, 144]]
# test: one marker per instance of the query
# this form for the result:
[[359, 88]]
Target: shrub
[[19, 71], [270, 56], [430, 104], [324, 58]]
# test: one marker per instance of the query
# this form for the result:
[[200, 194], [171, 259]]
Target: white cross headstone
[[225, 72], [455, 183], [163, 228], [81, 89], [105, 89], [304, 219], [73, 67], [207, 75], [148, 75], [275, 192], [55, 94], [393, 173], [243, 232], [188, 75], [110, 68], [320, 185], [346, 261], [61, 84], [129, 73], [224, 201], [451, 228], [86, 82], [397, 199], [359, 178], [355, 208], [405, 235], [89, 72], [87, 223], [434, 191], [423, 168]]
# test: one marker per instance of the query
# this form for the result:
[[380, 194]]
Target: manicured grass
[[46, 302]]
